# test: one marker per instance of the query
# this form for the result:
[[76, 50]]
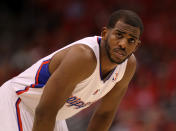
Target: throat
[[105, 75]]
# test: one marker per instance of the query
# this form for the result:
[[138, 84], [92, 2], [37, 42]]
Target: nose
[[123, 44]]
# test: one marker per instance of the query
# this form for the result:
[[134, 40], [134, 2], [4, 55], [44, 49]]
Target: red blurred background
[[31, 29]]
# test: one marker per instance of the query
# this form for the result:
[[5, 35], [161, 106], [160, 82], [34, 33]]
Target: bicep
[[76, 66]]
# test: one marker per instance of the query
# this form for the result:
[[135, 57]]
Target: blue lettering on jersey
[[77, 102]]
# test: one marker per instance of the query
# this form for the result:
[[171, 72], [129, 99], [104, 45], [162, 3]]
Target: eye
[[119, 35], [131, 40]]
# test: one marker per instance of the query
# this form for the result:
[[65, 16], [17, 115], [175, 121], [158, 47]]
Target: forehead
[[123, 27]]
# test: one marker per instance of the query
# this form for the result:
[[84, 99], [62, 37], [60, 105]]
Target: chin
[[117, 61]]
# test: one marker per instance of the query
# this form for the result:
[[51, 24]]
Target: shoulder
[[79, 58], [131, 67], [131, 64], [82, 53], [83, 49], [129, 72]]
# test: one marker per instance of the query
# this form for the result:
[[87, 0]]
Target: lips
[[120, 52]]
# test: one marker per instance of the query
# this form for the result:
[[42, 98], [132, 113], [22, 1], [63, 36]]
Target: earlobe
[[104, 33]]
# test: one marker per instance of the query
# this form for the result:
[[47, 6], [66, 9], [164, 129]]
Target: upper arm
[[110, 102], [78, 63]]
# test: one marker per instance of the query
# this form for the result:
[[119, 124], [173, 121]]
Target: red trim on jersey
[[22, 91], [19, 115], [36, 80]]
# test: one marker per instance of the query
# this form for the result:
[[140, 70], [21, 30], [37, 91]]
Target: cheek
[[131, 49], [111, 38]]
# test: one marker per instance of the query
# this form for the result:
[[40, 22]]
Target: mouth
[[120, 52]]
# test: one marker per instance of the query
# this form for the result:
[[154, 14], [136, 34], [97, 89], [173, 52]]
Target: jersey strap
[[41, 77]]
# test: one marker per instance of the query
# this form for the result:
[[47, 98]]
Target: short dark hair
[[128, 17]]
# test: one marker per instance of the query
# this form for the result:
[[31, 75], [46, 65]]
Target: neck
[[106, 64]]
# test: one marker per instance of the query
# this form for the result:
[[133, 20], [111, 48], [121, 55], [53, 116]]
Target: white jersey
[[29, 84]]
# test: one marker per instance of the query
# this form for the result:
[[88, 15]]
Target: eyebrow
[[133, 36], [126, 33]]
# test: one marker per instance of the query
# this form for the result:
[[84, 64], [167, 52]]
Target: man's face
[[121, 41]]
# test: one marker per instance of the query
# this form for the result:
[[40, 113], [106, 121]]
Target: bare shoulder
[[83, 54], [79, 57], [131, 68], [129, 72], [131, 64], [84, 51], [80, 49]]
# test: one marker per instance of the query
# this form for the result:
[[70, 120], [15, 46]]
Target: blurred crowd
[[31, 29]]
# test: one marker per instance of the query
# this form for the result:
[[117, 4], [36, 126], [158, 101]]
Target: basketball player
[[72, 78]]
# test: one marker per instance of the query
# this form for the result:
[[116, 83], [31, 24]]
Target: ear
[[104, 33]]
